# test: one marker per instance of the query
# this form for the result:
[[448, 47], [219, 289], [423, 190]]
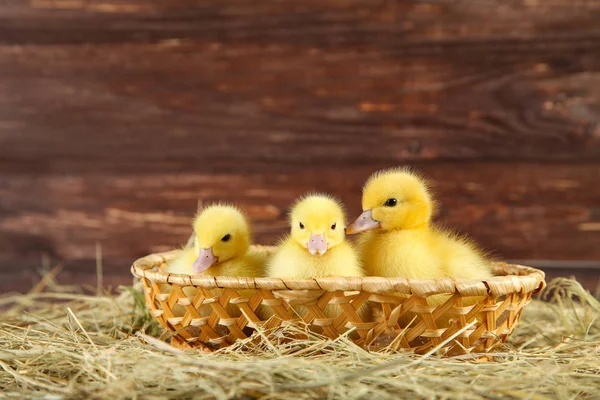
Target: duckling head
[[318, 223], [394, 199], [221, 233]]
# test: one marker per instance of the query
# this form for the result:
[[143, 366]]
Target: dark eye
[[333, 226], [301, 225], [390, 202], [226, 238]]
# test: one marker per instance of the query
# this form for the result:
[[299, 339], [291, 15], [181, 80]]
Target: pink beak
[[205, 260], [364, 222], [317, 244]]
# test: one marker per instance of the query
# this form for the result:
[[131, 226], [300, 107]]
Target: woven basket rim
[[511, 279]]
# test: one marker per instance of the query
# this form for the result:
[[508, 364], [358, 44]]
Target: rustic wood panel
[[517, 210], [502, 94], [117, 116]]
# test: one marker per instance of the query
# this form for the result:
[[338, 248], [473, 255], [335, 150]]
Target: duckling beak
[[317, 244], [364, 222], [205, 260]]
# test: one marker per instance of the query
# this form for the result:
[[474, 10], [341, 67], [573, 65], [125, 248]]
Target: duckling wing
[[252, 264], [345, 261], [290, 261], [462, 257], [182, 263]]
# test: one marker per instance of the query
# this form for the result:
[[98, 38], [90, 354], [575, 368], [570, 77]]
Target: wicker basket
[[495, 304]]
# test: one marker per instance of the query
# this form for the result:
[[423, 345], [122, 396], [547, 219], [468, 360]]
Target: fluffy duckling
[[401, 241], [316, 246], [221, 247]]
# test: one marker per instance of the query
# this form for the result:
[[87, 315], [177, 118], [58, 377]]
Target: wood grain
[[282, 86], [117, 116], [515, 210]]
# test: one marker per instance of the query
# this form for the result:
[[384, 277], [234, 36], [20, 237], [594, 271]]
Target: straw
[[553, 353]]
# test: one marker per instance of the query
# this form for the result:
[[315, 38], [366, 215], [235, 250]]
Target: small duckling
[[397, 211], [316, 246], [221, 247]]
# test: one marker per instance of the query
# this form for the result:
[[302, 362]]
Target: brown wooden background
[[117, 116]]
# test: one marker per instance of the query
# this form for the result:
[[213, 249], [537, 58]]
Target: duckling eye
[[333, 226], [226, 238], [301, 225], [390, 202]]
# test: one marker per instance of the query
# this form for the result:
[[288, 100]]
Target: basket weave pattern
[[221, 310]]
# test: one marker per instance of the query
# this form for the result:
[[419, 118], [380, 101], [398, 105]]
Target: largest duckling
[[399, 239]]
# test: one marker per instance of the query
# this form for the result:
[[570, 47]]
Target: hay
[[62, 344]]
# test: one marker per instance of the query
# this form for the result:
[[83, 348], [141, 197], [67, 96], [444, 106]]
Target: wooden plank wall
[[117, 116]]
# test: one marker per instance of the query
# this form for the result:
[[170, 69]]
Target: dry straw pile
[[59, 343]]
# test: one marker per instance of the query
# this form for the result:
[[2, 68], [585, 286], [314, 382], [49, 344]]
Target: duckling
[[221, 247], [399, 239], [316, 246], [397, 212]]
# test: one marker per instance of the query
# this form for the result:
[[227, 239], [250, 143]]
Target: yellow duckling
[[221, 247], [316, 246], [400, 241], [397, 211]]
